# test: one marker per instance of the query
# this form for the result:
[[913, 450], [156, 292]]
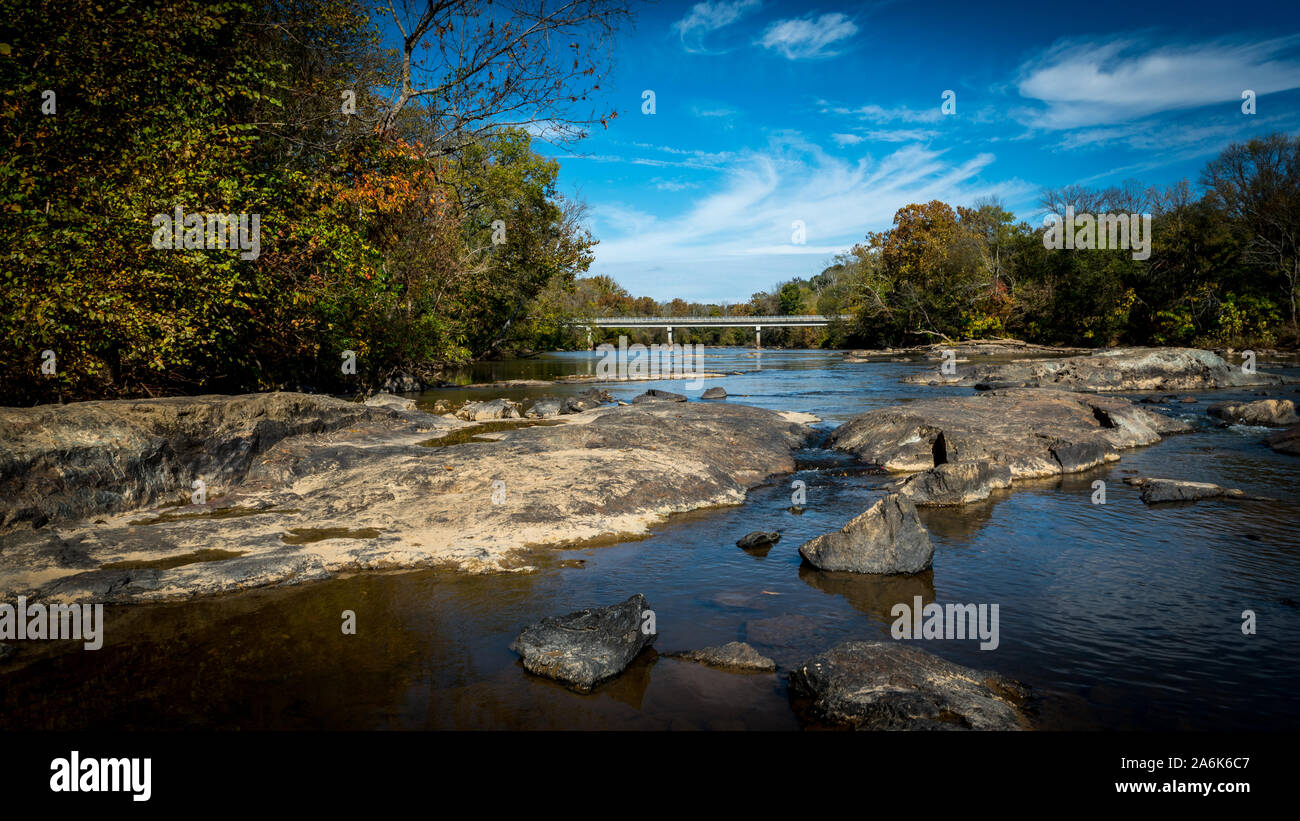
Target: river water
[[1119, 616]]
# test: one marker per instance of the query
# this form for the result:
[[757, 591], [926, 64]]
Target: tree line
[[406, 222]]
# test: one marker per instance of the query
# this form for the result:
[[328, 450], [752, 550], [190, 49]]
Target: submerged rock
[[1156, 491], [758, 539], [656, 395], [1122, 369], [1275, 413], [487, 411], [714, 393], [1287, 441], [734, 655], [1032, 431], [584, 648], [886, 685], [886, 538], [955, 483]]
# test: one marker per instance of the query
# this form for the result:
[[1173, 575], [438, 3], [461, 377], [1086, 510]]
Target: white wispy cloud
[[846, 139], [706, 18], [806, 38], [1082, 83]]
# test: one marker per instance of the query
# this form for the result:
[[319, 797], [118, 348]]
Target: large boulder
[[1122, 369], [1275, 413], [584, 648], [1034, 432], [955, 483], [487, 411], [735, 655], [714, 393], [886, 538], [886, 685]]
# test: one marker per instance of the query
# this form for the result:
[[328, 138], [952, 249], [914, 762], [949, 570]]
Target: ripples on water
[[1120, 616]]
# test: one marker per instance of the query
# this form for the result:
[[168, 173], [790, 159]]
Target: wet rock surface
[[758, 539], [1157, 491], [734, 655], [1287, 441], [586, 647], [886, 538], [369, 496], [1033, 432], [486, 411], [1263, 412], [1122, 369], [955, 483], [878, 685]]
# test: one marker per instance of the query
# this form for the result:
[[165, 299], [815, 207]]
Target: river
[[1119, 616]]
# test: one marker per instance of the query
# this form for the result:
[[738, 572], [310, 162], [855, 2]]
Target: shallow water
[[1119, 616]]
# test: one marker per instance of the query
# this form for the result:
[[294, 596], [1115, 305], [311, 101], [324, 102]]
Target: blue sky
[[769, 112]]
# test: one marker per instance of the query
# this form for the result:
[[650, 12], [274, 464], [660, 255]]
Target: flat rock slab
[[1033, 432], [586, 647], [880, 685], [656, 395], [64, 462], [887, 538], [373, 497], [1122, 369], [1277, 413], [1157, 491], [735, 655]]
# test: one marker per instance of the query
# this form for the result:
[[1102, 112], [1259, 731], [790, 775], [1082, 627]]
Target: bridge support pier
[[670, 336], [758, 336]]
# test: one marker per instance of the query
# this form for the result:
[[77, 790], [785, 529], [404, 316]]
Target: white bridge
[[670, 322]]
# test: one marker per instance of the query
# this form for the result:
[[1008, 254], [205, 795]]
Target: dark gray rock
[[584, 648], [735, 655], [1078, 456], [886, 538], [714, 393], [955, 483], [758, 539], [1276, 413], [7, 650], [1157, 491], [887, 685], [545, 409], [656, 395], [487, 411], [1287, 441], [587, 400]]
